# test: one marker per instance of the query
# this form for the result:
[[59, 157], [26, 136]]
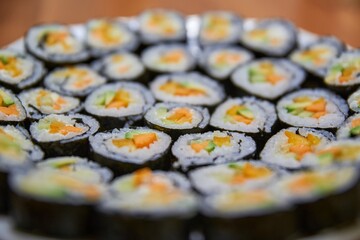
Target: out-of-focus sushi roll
[[191, 88], [11, 109], [323, 198], [55, 44], [121, 66], [58, 200], [344, 73], [247, 115], [161, 25], [168, 58], [115, 104], [340, 152], [315, 108], [177, 118], [19, 71], [78, 80], [125, 150], [39, 102], [242, 175], [16, 151], [219, 27], [354, 101], [202, 149], [290, 146], [104, 36], [270, 37], [252, 214], [350, 128], [146, 200], [60, 135], [220, 61], [268, 78], [316, 57]]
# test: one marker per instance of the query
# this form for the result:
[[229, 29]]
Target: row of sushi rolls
[[139, 128]]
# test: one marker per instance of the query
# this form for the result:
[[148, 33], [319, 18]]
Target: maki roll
[[343, 75], [78, 80], [191, 88], [144, 201], [168, 58], [16, 151], [290, 146], [354, 101], [316, 57], [39, 102], [19, 71], [323, 198], [269, 37], [161, 25], [177, 118], [252, 214], [104, 36], [350, 128], [220, 61], [246, 115], [219, 27], [242, 175], [58, 197], [315, 108], [202, 149], [115, 104], [61, 135], [126, 150], [55, 44], [268, 78], [121, 66], [11, 109]]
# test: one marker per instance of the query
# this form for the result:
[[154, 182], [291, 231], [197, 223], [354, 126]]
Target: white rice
[[354, 101], [344, 130], [264, 115]]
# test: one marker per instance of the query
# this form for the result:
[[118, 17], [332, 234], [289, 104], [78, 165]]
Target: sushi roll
[[314, 108], [251, 214], [220, 61], [268, 78], [147, 200], [121, 66], [55, 44], [249, 115], [77, 81], [58, 200], [290, 146], [354, 101], [191, 88], [104, 36], [161, 25], [11, 109], [19, 71], [117, 104], [60, 135], [39, 102], [343, 75], [126, 150], [219, 27], [323, 198], [195, 150], [16, 151], [316, 57], [242, 175], [350, 128], [177, 118], [269, 37], [168, 58]]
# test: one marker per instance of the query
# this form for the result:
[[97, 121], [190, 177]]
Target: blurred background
[[336, 17]]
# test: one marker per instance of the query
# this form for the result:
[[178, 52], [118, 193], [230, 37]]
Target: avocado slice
[[294, 106], [305, 114], [355, 131], [7, 100], [161, 111], [326, 157], [4, 59], [233, 166], [246, 113], [130, 135], [105, 98], [337, 68], [210, 147]]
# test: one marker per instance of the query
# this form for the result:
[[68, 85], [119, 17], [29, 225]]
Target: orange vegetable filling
[[141, 140], [104, 32], [301, 145], [235, 113], [9, 64], [160, 21], [315, 55], [218, 28], [227, 58], [179, 89], [44, 98], [172, 57], [249, 171], [122, 99], [180, 116], [62, 128], [58, 38]]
